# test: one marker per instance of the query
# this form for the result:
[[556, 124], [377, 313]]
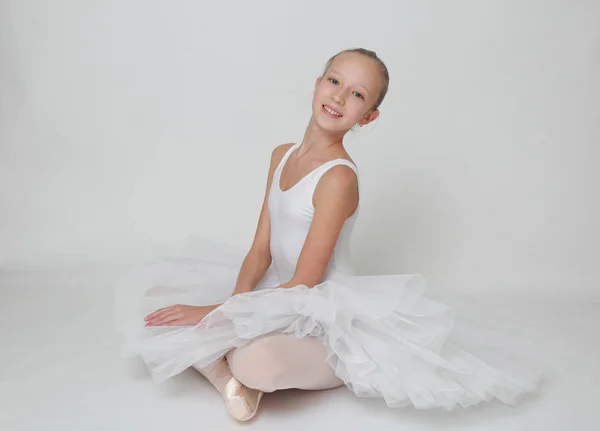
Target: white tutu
[[383, 337]]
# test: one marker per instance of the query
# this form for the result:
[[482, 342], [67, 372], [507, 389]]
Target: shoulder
[[339, 177], [280, 150], [278, 153], [338, 187]]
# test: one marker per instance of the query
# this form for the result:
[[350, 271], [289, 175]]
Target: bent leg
[[282, 361]]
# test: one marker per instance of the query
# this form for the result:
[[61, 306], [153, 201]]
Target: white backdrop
[[125, 123]]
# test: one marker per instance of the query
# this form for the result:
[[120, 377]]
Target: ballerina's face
[[346, 93]]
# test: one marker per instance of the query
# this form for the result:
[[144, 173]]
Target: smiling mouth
[[331, 111]]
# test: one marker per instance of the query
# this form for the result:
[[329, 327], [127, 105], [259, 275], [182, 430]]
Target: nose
[[338, 98]]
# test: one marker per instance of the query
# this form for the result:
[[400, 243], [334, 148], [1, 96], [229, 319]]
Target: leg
[[282, 361]]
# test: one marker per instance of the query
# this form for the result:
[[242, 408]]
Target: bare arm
[[335, 199], [258, 259]]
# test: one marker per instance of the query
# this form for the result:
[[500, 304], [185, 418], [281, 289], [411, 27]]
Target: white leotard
[[291, 213]]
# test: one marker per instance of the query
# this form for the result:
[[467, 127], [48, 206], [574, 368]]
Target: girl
[[297, 316]]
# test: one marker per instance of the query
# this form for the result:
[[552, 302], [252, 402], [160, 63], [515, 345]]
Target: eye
[[334, 81], [357, 94]]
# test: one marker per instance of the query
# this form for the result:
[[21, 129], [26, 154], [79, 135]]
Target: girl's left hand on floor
[[179, 315]]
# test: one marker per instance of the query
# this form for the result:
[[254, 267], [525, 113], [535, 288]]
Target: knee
[[259, 364]]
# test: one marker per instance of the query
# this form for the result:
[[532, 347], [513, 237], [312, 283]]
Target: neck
[[316, 139]]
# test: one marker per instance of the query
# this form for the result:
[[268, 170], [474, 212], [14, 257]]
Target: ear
[[371, 116], [318, 80]]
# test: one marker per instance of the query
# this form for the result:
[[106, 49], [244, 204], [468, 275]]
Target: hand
[[179, 315]]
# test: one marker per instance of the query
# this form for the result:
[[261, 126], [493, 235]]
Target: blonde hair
[[385, 76]]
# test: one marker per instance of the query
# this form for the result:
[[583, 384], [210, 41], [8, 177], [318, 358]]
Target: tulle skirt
[[383, 336]]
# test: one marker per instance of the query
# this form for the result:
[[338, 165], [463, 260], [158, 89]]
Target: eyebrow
[[338, 73]]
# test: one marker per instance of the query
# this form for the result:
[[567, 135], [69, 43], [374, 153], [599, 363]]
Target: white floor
[[61, 370]]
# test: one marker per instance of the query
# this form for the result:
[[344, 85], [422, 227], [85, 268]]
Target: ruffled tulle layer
[[384, 337]]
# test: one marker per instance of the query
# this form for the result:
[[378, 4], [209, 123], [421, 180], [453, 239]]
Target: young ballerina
[[297, 316]]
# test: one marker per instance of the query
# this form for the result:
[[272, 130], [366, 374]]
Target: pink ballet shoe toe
[[242, 402]]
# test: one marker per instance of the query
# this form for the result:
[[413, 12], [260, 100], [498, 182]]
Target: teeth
[[331, 111]]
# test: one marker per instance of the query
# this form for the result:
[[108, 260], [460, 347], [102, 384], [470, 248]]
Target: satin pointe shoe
[[241, 402]]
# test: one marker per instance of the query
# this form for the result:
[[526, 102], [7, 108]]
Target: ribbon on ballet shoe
[[242, 402]]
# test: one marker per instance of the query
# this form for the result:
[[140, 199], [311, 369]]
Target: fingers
[[178, 315], [158, 313], [161, 321], [163, 316], [164, 311]]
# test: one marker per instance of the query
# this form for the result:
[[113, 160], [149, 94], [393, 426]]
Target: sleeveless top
[[291, 213]]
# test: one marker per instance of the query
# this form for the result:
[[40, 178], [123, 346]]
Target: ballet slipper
[[241, 401]]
